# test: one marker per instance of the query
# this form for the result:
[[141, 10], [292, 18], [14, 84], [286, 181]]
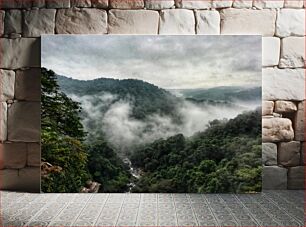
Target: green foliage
[[107, 168], [224, 158], [62, 135]]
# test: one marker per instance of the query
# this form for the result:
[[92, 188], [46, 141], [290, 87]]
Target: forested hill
[[147, 98]]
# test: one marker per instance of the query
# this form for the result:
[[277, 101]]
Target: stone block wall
[[280, 22]]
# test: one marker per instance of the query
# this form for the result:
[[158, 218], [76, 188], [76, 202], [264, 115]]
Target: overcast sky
[[167, 61]]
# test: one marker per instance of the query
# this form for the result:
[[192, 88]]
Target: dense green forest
[[225, 157]]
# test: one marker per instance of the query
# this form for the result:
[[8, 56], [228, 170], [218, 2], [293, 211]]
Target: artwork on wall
[[142, 114]]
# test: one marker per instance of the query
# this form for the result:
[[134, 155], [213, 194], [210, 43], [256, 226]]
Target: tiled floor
[[270, 208]]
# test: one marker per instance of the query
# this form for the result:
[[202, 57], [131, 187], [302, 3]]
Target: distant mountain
[[225, 94]]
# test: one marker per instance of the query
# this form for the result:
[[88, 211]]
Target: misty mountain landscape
[[138, 137]]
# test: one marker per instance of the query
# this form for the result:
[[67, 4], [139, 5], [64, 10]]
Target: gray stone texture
[[248, 21], [34, 156], [26, 179], [264, 4], [13, 21], [293, 52], [290, 22], [7, 85], [208, 22], [133, 22], [296, 177], [277, 129], [3, 121], [240, 4], [126, 4], [270, 51], [80, 3], [289, 154], [81, 21], [274, 177], [99, 3], [191, 4], [28, 84], [56, 4], [267, 107], [38, 22], [178, 21], [159, 4], [39, 3], [293, 4], [269, 154], [13, 155], [24, 122], [299, 122], [15, 4], [20, 53], [2, 15], [285, 106]]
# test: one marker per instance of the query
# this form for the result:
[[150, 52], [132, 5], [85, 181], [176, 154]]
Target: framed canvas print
[[151, 114]]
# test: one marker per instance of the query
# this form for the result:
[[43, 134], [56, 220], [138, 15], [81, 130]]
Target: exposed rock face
[[269, 154], [285, 106], [267, 107], [191, 4], [133, 22], [159, 4], [81, 21], [299, 122], [19, 53], [262, 4], [277, 129], [270, 51], [296, 178], [100, 3], [24, 122], [38, 22], [13, 155], [13, 21], [7, 81], [3, 121], [28, 84], [290, 22], [283, 84], [293, 52], [55, 4], [126, 4], [248, 21], [179, 21], [289, 153], [208, 22], [274, 177]]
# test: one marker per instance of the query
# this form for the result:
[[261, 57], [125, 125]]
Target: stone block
[[262, 4], [267, 107], [277, 129], [269, 154], [28, 84], [270, 51], [25, 180], [208, 22], [80, 3], [191, 4], [159, 4], [242, 4], [3, 121], [289, 154], [222, 3], [39, 3], [248, 22], [274, 177], [24, 122], [283, 84], [296, 177], [13, 155], [285, 106], [293, 52], [2, 15], [126, 4], [15, 4], [20, 53], [38, 22], [293, 3], [81, 21], [56, 4], [34, 154], [103, 4], [7, 85], [133, 22], [178, 21], [290, 22], [13, 21], [303, 157], [299, 122]]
